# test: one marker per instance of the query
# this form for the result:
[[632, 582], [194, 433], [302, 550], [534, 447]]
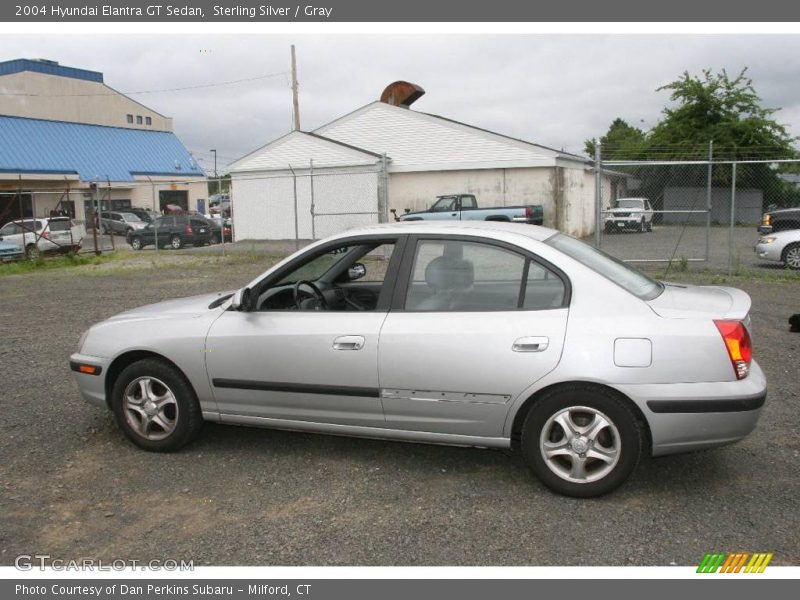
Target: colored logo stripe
[[734, 562]]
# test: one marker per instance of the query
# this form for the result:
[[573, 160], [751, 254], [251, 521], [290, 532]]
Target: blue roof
[[91, 151], [47, 67]]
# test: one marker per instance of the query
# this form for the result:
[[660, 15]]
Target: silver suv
[[120, 222]]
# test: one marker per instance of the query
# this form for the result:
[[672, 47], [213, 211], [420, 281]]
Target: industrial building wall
[[492, 187], [264, 204]]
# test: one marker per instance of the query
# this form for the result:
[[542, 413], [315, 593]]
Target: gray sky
[[555, 90]]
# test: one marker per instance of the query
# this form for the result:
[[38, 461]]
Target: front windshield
[[316, 267], [630, 203], [625, 276]]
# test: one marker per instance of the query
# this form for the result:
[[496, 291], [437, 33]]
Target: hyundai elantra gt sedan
[[484, 334]]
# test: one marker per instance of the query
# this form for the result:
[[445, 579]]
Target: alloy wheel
[[580, 444], [793, 257], [150, 408]]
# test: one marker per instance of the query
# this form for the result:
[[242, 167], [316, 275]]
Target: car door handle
[[348, 342], [531, 344]]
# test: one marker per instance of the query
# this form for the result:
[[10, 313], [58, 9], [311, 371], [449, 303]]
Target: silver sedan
[[484, 334]]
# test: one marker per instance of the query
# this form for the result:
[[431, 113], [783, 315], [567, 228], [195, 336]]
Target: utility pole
[[295, 100], [216, 181]]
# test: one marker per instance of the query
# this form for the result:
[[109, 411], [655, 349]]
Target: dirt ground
[[72, 487]]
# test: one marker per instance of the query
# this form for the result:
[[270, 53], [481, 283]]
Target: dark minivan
[[173, 230]]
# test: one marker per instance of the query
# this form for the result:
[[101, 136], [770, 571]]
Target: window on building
[[148, 121], [130, 118], [138, 119]]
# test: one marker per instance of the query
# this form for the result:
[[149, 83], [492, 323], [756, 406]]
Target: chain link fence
[[690, 211]]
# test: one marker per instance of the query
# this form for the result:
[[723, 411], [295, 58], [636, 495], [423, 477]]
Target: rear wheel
[[791, 256], [176, 242], [155, 406], [582, 441]]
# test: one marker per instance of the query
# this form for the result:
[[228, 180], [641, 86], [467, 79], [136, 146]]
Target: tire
[[103, 230], [650, 227], [158, 429], [620, 441], [642, 227], [32, 251], [215, 239], [609, 228], [791, 256], [176, 242], [136, 243]]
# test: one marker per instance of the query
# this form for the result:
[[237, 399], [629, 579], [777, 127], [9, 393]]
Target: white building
[[425, 156]]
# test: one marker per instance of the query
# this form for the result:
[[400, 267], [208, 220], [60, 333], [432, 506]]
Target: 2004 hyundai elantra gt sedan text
[[490, 335]]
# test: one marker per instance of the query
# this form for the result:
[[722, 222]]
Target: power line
[[132, 93]]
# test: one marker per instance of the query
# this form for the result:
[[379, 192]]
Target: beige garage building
[[420, 156]]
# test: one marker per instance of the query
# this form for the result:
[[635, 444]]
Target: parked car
[[780, 220], [629, 213], [144, 214], [464, 207], [220, 229], [9, 252], [120, 222], [172, 230], [44, 234], [488, 335], [782, 246]]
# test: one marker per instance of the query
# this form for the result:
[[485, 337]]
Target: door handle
[[348, 342], [531, 344]]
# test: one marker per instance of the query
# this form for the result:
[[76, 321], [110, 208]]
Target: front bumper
[[91, 386], [768, 251], [692, 416], [623, 223]]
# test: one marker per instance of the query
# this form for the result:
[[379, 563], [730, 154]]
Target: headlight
[[767, 240], [82, 340]]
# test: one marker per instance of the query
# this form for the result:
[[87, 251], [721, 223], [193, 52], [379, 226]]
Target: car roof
[[535, 232]]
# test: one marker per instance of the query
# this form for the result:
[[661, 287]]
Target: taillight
[[528, 213], [45, 234], [188, 229], [767, 219], [740, 348]]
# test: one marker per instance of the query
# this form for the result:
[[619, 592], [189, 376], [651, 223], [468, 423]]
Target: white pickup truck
[[629, 213]]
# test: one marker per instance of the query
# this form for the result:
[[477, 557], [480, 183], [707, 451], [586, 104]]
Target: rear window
[[60, 224], [625, 276]]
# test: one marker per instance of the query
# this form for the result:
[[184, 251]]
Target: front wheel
[[155, 406], [136, 243], [176, 242], [32, 251], [791, 256], [582, 441], [642, 226]]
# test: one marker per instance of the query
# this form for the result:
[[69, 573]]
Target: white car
[[481, 334], [43, 234], [783, 246], [629, 213]]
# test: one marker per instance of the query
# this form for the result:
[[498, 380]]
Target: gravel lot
[[72, 487]]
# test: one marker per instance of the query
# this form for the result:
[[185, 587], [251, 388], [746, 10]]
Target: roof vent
[[402, 94]]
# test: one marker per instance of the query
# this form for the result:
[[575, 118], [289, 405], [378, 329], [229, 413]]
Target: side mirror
[[356, 271], [242, 300]]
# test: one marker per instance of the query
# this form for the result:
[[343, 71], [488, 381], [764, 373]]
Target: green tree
[[716, 107], [621, 141]]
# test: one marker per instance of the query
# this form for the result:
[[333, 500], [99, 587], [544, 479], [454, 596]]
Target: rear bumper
[[92, 387], [692, 416]]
